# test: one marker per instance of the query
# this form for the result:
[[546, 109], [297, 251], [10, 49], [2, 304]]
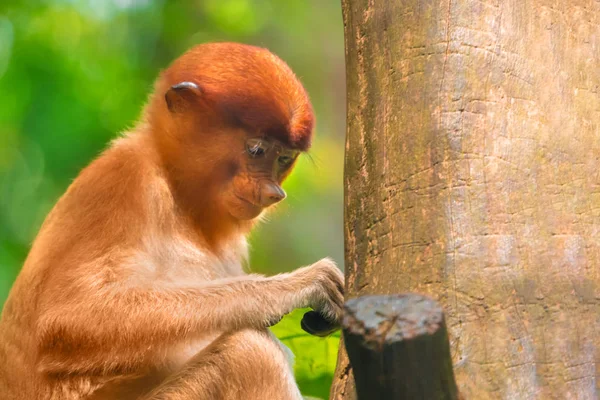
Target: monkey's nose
[[271, 193]]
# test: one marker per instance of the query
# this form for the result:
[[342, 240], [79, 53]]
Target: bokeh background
[[75, 73]]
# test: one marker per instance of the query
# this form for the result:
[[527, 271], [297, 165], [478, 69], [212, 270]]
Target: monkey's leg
[[248, 364]]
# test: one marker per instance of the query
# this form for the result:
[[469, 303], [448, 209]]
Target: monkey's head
[[229, 121]]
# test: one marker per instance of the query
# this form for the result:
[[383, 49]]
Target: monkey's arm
[[119, 326]]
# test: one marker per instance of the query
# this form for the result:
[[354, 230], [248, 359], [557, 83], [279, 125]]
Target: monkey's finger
[[336, 298], [340, 287], [337, 277]]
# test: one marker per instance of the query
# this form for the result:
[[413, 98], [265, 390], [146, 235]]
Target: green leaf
[[315, 357]]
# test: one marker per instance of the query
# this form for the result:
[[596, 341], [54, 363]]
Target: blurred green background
[[75, 73]]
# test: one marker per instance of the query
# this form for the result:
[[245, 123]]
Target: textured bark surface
[[473, 176]]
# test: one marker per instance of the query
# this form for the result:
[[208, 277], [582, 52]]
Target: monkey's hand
[[324, 286]]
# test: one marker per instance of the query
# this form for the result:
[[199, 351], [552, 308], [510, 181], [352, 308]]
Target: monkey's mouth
[[245, 209], [248, 202]]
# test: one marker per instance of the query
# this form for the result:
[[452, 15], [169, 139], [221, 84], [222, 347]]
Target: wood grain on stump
[[398, 347]]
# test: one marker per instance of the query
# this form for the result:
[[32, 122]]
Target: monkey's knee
[[249, 364], [258, 364]]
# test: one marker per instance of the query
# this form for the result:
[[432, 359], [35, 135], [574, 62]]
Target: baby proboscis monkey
[[134, 286]]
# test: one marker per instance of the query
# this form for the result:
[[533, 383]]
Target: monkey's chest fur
[[172, 262], [176, 260]]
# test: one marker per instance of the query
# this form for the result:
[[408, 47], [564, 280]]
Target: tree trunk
[[473, 176]]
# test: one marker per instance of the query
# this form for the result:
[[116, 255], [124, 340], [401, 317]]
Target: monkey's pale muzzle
[[270, 193]]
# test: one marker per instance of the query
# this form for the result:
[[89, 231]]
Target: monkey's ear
[[179, 96]]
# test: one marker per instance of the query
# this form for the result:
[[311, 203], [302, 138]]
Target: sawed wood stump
[[398, 348]]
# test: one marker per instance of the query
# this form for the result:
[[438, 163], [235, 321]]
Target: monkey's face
[[255, 184], [230, 150]]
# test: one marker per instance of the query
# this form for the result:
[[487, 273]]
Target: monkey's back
[[116, 203], [76, 224]]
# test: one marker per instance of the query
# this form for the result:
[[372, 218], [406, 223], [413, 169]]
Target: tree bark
[[473, 176]]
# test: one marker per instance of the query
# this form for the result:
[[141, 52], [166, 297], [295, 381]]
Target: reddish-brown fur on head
[[206, 106], [249, 86]]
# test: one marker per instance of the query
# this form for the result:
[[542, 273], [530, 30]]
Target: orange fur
[[138, 268]]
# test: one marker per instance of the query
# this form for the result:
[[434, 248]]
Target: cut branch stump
[[398, 348]]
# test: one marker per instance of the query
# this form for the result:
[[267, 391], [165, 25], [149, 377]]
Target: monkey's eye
[[286, 160], [256, 147]]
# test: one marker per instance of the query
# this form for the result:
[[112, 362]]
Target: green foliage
[[315, 357], [75, 73]]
